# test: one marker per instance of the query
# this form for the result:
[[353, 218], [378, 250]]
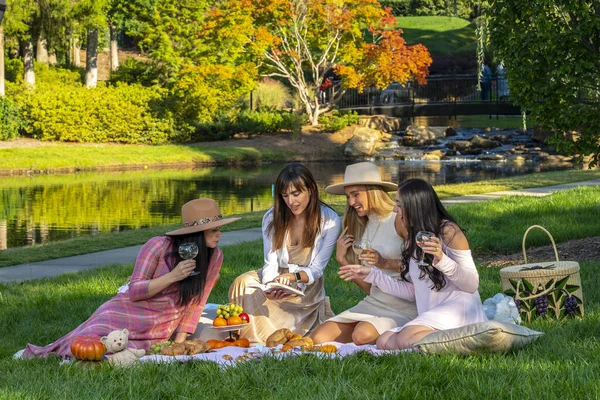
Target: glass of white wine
[[422, 237], [189, 251], [359, 246]]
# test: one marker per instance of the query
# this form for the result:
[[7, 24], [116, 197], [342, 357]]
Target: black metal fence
[[439, 89], [442, 95]]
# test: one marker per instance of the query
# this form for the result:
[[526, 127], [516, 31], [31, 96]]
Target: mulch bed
[[587, 249]]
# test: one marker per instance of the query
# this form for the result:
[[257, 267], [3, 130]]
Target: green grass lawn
[[562, 364], [443, 36], [62, 156], [90, 244]]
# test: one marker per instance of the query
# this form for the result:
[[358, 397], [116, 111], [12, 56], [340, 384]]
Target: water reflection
[[48, 208]]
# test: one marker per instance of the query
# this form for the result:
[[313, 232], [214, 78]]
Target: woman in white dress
[[445, 289], [368, 216], [299, 235]]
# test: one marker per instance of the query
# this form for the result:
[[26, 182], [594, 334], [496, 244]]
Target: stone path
[[127, 255]]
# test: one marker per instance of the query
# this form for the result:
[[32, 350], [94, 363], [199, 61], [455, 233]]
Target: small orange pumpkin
[[88, 348]]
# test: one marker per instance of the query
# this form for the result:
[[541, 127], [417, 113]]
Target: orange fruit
[[220, 344], [220, 321], [212, 343], [234, 320], [242, 342]]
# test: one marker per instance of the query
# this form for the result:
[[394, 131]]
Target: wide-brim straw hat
[[363, 173], [200, 215]]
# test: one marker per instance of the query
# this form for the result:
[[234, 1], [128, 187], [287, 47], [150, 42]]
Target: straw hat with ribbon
[[364, 173], [200, 215]]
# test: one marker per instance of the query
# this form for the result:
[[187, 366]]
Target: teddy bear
[[116, 343]]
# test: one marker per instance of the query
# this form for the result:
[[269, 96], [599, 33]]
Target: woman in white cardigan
[[299, 235]]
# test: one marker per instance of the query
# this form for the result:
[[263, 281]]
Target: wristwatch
[[298, 276]]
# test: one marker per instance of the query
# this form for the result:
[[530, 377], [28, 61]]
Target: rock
[[365, 142], [516, 158], [483, 143], [412, 141], [492, 157], [435, 155], [381, 123], [426, 132], [459, 145], [450, 131]]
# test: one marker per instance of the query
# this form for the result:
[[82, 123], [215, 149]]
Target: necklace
[[369, 238]]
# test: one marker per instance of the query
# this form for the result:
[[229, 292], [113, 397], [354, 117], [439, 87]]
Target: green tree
[[551, 51], [20, 17]]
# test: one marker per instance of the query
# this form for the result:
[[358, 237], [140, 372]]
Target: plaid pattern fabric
[[148, 319]]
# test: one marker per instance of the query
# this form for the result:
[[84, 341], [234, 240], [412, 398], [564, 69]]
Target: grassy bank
[[562, 364], [443, 36], [89, 244], [68, 157]]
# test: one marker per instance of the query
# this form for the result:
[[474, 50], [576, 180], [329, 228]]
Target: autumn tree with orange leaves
[[301, 40]]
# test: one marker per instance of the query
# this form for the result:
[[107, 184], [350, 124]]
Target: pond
[[47, 208]]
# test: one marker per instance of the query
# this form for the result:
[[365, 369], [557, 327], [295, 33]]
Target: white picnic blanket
[[232, 353]]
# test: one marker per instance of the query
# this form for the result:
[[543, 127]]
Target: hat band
[[203, 221]]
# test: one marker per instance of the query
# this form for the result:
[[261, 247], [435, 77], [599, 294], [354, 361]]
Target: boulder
[[381, 123], [459, 145], [365, 142], [426, 132], [483, 143], [450, 131], [492, 157], [435, 155]]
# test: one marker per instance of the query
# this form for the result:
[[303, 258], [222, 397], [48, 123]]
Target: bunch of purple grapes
[[570, 305], [541, 305]]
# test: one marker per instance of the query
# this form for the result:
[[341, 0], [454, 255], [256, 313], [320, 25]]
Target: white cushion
[[490, 336]]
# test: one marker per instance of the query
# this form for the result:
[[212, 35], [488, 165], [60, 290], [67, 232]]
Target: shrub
[[250, 122], [271, 94], [13, 70], [135, 71], [338, 120], [49, 75], [122, 114], [11, 121]]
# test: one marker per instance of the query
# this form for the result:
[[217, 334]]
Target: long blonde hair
[[379, 202]]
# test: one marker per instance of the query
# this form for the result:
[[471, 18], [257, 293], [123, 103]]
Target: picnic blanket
[[230, 356]]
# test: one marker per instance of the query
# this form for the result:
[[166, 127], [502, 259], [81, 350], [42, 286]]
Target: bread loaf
[[278, 337]]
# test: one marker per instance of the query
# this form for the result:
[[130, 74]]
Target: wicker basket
[[546, 289]]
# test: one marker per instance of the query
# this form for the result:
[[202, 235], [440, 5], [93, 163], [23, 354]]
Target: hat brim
[[339, 188], [203, 227]]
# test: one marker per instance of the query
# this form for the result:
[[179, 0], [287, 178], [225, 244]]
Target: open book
[[278, 286]]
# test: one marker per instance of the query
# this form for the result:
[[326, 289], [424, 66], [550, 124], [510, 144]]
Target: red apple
[[230, 339], [244, 317]]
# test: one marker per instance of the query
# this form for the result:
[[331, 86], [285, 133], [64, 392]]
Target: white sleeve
[[387, 284], [459, 268], [329, 235], [271, 267]]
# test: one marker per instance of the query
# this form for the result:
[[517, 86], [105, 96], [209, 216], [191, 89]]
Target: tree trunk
[[91, 59], [76, 58], [114, 48], [29, 75], [52, 58], [1, 70], [42, 49]]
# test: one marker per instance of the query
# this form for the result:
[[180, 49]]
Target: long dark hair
[[422, 211], [298, 176], [192, 287]]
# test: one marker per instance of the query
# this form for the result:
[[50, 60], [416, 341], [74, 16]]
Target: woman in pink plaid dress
[[166, 294]]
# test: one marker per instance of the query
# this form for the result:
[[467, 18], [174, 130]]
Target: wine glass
[[422, 237], [189, 251], [358, 246]]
